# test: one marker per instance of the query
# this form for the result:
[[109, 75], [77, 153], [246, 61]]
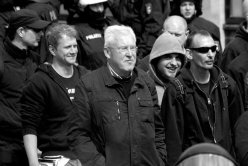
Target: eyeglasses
[[125, 49], [204, 50]]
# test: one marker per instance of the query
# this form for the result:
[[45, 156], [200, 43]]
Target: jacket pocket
[[146, 110]]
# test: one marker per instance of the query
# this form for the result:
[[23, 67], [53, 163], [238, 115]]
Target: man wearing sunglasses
[[203, 103]]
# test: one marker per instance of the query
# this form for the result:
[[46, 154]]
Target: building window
[[234, 14]]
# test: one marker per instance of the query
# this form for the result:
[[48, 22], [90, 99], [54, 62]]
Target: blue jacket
[[112, 130]]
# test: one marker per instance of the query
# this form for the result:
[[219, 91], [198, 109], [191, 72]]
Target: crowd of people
[[120, 83]]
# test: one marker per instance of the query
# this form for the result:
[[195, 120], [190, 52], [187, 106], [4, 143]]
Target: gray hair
[[112, 33]]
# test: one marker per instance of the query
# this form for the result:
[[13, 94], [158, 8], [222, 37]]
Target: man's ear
[[20, 31], [188, 54], [52, 50], [107, 52]]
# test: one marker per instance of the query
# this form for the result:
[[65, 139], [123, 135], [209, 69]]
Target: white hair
[[114, 32]]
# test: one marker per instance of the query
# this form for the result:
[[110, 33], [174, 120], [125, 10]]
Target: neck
[[118, 75], [201, 76], [62, 70], [19, 44]]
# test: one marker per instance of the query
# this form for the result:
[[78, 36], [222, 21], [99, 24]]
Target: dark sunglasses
[[204, 50]]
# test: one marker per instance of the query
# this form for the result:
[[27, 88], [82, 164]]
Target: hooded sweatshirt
[[165, 45], [235, 47], [45, 109]]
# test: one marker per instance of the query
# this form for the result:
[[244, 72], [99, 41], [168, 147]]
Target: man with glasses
[[17, 65], [118, 121], [203, 103]]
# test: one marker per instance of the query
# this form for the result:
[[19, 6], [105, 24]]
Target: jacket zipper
[[118, 111], [210, 104]]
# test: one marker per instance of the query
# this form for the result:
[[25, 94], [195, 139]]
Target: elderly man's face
[[122, 56], [203, 52]]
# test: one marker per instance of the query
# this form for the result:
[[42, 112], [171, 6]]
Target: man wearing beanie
[[202, 104], [166, 59], [17, 64]]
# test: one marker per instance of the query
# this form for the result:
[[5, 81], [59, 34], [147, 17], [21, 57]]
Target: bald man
[[175, 25]]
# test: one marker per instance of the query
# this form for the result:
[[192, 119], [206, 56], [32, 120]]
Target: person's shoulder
[[202, 20], [82, 70], [239, 63], [94, 74]]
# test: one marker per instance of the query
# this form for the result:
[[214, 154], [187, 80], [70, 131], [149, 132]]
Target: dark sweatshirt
[[45, 108]]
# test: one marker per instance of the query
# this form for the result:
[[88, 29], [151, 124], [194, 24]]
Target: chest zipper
[[211, 126], [118, 111], [209, 106]]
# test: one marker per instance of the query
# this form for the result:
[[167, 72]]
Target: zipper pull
[[118, 110], [209, 101]]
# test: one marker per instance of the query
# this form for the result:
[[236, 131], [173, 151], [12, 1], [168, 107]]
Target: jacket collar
[[111, 82], [14, 51], [189, 79]]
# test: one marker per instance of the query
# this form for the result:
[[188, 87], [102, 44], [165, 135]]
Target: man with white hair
[[118, 121]]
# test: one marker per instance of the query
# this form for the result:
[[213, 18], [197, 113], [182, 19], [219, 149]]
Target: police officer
[[146, 17]]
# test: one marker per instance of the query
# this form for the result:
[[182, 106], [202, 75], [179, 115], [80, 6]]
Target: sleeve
[[239, 78], [228, 55], [32, 107], [159, 127], [152, 20], [172, 117], [241, 139], [80, 132], [235, 104]]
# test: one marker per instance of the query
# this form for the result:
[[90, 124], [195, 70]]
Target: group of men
[[118, 114]]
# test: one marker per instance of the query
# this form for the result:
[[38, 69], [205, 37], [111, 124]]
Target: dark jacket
[[45, 108], [186, 117], [91, 42], [241, 139], [125, 131], [146, 17], [238, 70], [235, 47], [16, 66]]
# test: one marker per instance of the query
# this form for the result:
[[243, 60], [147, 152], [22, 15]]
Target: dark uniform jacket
[[45, 108], [146, 17], [126, 131], [195, 117], [235, 47], [91, 42], [16, 66]]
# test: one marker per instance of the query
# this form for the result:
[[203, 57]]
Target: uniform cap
[[27, 17]]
